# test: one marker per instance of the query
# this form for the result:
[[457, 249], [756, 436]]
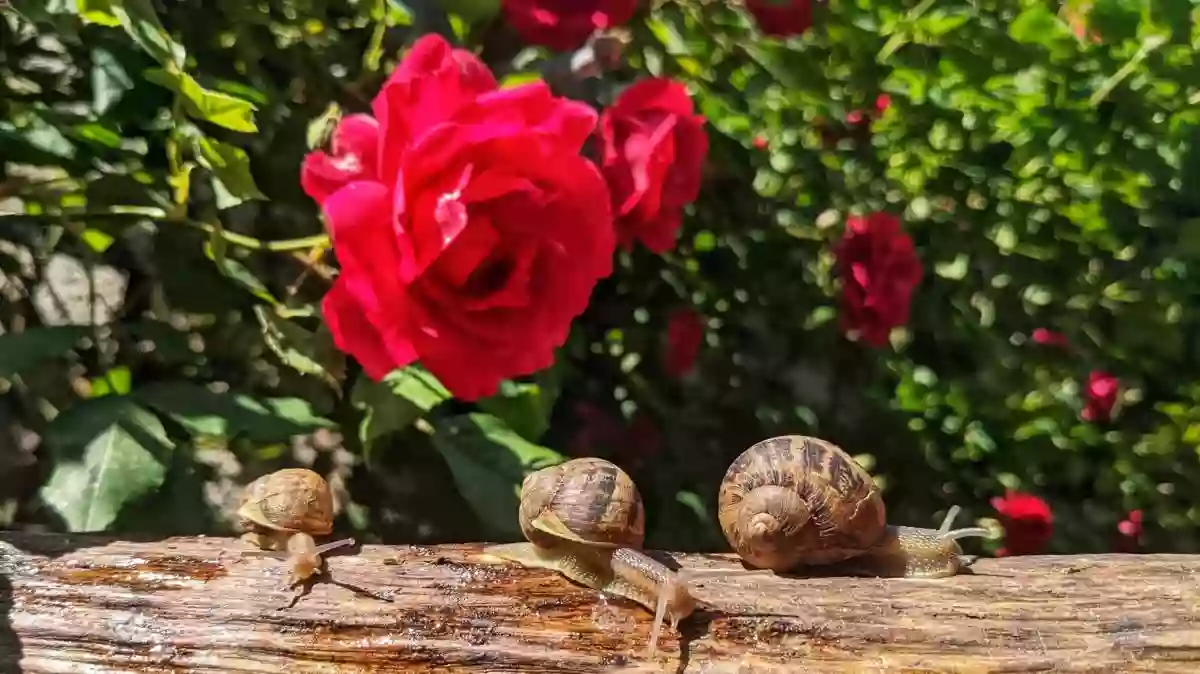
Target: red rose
[[1129, 531], [653, 150], [879, 269], [781, 17], [1028, 523], [469, 228], [1101, 396], [1050, 338], [565, 24], [685, 335], [598, 432]]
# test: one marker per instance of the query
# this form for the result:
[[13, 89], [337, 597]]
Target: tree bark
[[86, 603]]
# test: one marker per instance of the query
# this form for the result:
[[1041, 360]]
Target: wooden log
[[83, 603]]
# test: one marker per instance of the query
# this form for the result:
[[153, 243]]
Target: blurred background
[[162, 344]]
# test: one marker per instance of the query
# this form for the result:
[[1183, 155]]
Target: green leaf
[[955, 270], [525, 406], [1036, 25], [117, 381], [21, 351], [231, 167], [206, 412], [107, 453], [109, 80], [98, 12], [321, 129], [221, 109], [140, 21], [391, 405], [237, 272], [306, 352], [489, 460]]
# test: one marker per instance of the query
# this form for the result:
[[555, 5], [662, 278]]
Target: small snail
[[281, 512], [793, 501], [584, 519]]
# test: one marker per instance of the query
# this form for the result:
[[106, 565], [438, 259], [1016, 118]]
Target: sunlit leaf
[[221, 109], [307, 352], [230, 165], [106, 453]]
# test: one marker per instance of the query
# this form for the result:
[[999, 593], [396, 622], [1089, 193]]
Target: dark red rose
[[781, 17], [563, 25], [601, 434], [598, 433], [1050, 338], [652, 152], [468, 226], [1028, 523], [1129, 530], [685, 335], [879, 270], [1100, 396]]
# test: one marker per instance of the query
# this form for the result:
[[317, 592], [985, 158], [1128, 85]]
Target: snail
[[584, 519], [281, 512], [793, 501]]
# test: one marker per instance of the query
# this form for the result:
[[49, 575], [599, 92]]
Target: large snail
[[794, 501], [584, 519], [281, 512]]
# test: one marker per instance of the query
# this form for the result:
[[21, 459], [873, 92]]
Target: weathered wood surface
[[84, 604]]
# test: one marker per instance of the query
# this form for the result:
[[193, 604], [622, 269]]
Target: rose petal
[[354, 334]]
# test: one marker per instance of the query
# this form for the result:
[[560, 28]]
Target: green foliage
[[1048, 178]]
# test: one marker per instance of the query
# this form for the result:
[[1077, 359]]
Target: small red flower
[[1101, 396], [1028, 523], [685, 335], [760, 142], [1130, 532], [1050, 338]]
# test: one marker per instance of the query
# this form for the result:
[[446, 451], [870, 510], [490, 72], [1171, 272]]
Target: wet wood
[[73, 604]]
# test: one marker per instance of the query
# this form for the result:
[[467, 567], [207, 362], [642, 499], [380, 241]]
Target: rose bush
[[461, 326], [469, 228]]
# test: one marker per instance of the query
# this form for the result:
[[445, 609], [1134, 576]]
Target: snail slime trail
[[793, 501]]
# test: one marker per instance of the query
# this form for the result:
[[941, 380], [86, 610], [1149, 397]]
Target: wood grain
[[79, 603]]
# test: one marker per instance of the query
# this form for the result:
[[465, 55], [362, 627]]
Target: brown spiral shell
[[796, 500], [595, 500], [288, 500]]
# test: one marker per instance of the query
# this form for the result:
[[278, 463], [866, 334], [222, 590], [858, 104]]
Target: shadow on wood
[[193, 604], [10, 645]]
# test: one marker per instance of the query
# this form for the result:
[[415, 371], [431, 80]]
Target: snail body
[[281, 512], [584, 518], [793, 501]]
